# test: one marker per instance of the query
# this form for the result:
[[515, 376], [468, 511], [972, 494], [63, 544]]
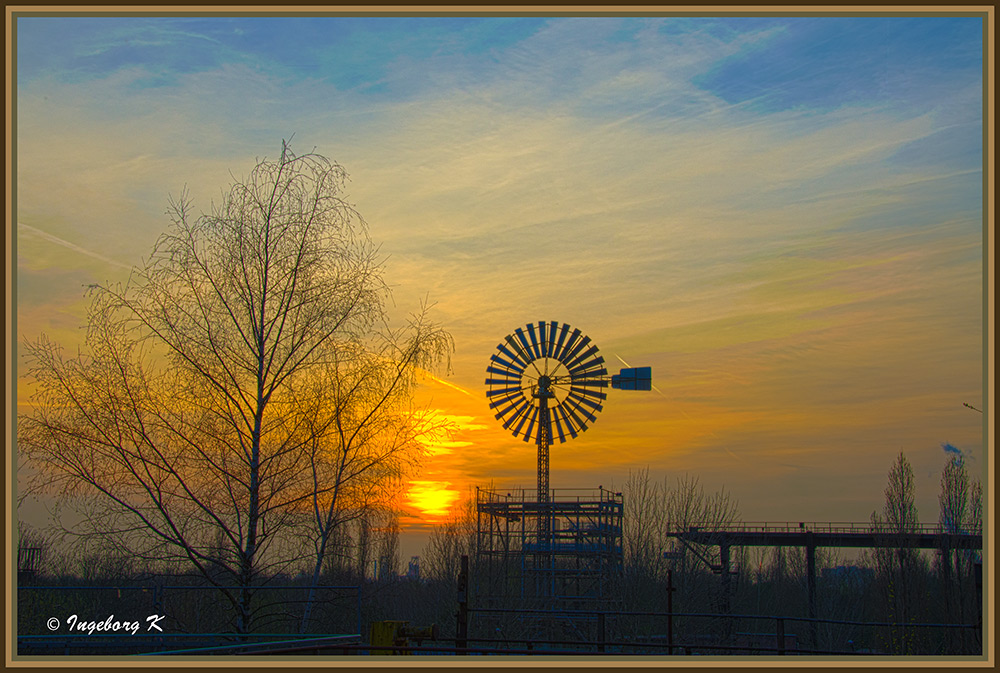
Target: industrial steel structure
[[577, 559], [812, 536]]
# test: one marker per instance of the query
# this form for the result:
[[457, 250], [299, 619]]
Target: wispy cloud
[[797, 252]]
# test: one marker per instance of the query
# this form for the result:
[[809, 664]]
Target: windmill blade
[[570, 344], [588, 392], [502, 391], [515, 356], [511, 382], [505, 383], [550, 351], [585, 359], [506, 368], [592, 371], [570, 412], [528, 351], [520, 345], [512, 364], [514, 376], [505, 399], [534, 341], [559, 428], [573, 354], [523, 416], [572, 424], [583, 400], [575, 403], [532, 417], [563, 332], [518, 407], [523, 340], [516, 351]]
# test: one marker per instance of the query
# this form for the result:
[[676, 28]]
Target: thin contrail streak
[[686, 415], [71, 246], [448, 383]]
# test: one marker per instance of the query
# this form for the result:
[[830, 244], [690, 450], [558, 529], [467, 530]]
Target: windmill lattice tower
[[546, 383]]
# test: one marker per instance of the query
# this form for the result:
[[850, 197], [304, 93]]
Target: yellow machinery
[[398, 634]]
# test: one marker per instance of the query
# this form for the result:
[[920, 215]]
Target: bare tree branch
[[241, 390]]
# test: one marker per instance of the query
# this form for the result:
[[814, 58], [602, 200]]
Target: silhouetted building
[[413, 571]]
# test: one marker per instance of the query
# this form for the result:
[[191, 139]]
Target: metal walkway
[[812, 535]]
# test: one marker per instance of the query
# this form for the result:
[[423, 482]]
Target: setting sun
[[432, 498]]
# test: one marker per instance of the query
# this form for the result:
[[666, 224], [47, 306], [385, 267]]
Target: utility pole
[[811, 584], [670, 611], [462, 626]]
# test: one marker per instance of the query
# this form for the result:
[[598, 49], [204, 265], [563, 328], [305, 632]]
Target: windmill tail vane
[[633, 378]]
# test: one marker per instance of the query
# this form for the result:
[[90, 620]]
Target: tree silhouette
[[199, 422], [899, 569]]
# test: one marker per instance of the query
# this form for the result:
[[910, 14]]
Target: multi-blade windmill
[[546, 382]]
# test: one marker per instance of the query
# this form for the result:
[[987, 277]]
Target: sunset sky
[[783, 217]]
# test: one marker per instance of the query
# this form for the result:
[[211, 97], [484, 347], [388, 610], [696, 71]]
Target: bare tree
[[643, 522], [363, 548], [961, 512], [388, 547], [688, 505], [976, 507], [899, 569], [652, 509], [191, 414], [954, 514], [442, 555], [899, 513], [338, 565]]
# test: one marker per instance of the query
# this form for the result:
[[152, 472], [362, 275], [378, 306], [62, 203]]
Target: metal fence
[[690, 633], [189, 614]]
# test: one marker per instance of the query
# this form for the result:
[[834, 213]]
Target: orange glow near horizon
[[433, 499], [434, 492], [439, 438]]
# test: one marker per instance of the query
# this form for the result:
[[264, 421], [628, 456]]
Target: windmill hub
[[544, 387]]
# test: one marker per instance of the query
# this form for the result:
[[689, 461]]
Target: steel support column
[[811, 583]]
